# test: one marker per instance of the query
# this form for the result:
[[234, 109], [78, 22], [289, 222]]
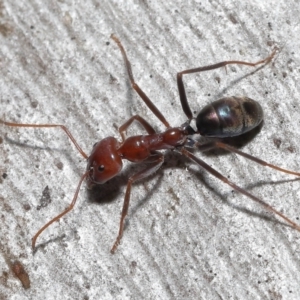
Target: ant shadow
[[202, 175], [111, 190], [44, 244], [23, 145], [262, 215], [238, 80], [103, 194]]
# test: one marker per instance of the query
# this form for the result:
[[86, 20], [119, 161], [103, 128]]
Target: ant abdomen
[[230, 116]]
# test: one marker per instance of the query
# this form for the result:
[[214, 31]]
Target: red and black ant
[[227, 117]]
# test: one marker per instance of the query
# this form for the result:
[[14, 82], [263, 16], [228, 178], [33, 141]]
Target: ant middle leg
[[182, 94], [135, 86], [142, 121]]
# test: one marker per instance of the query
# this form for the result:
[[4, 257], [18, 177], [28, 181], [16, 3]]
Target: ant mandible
[[227, 117]]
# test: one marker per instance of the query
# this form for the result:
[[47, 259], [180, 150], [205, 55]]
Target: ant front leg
[[183, 99], [157, 159], [63, 213], [64, 128]]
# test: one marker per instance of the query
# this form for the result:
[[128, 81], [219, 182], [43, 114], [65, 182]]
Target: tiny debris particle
[[277, 142], [21, 273], [45, 199], [26, 207], [67, 18], [59, 165]]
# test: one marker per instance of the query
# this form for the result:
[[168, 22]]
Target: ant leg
[[157, 158], [212, 145], [215, 173], [134, 85], [65, 129], [142, 121], [63, 213], [183, 99]]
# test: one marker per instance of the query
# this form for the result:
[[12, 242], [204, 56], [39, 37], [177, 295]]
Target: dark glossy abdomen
[[228, 117]]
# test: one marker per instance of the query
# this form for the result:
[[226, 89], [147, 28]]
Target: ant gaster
[[227, 117]]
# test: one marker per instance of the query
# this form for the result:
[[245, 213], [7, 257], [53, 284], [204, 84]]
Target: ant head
[[104, 162]]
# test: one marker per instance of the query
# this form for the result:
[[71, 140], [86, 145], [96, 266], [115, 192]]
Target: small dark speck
[[233, 19], [59, 165], [270, 25], [45, 199], [284, 74], [259, 282], [73, 38], [274, 74], [34, 104], [176, 11], [266, 92], [277, 142], [4, 175], [208, 95], [31, 27], [270, 43], [259, 255], [291, 149], [112, 79], [290, 292], [150, 76], [107, 43], [133, 264], [218, 79], [27, 207]]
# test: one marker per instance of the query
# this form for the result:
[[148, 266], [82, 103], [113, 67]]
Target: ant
[[227, 117]]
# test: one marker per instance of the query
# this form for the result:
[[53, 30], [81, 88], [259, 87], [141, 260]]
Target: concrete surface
[[188, 236]]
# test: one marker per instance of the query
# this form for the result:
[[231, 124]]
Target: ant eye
[[101, 168]]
